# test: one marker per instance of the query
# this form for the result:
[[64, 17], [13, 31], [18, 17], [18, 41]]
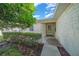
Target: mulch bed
[[63, 52], [31, 50]]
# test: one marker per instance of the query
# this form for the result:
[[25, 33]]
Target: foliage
[[12, 51], [20, 42], [22, 38], [16, 15], [7, 35], [1, 38]]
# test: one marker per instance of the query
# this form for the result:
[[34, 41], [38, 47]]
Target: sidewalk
[[49, 50]]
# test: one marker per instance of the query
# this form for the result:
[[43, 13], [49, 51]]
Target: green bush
[[22, 38], [14, 34]]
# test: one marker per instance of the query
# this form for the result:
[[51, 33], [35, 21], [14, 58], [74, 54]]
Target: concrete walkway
[[49, 50]]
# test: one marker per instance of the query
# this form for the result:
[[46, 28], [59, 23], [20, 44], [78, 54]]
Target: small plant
[[12, 51]]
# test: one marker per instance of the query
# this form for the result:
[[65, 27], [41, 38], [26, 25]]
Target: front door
[[50, 29]]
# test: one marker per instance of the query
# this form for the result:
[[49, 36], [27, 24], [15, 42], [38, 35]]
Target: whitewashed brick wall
[[67, 29]]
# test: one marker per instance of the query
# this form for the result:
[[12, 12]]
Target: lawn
[[11, 51]]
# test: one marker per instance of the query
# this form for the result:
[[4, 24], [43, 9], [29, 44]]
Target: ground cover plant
[[22, 44]]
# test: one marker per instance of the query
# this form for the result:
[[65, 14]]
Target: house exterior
[[67, 29], [64, 26], [45, 27]]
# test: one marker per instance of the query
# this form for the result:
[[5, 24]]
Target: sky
[[44, 10]]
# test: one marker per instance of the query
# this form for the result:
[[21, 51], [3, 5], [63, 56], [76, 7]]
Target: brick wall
[[67, 29]]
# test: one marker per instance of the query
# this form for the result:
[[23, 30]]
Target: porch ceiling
[[60, 9]]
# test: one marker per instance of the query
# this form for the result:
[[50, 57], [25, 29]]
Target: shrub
[[22, 38]]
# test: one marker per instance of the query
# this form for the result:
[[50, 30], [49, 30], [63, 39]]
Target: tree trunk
[[1, 36]]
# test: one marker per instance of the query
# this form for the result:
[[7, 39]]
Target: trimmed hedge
[[22, 38], [7, 35]]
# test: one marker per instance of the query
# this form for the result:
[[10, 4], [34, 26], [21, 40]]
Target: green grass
[[12, 51]]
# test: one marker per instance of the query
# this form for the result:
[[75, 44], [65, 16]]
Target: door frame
[[47, 27]]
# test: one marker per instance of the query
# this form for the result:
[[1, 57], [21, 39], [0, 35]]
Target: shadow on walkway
[[55, 42]]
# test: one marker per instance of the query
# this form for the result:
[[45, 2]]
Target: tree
[[17, 15]]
